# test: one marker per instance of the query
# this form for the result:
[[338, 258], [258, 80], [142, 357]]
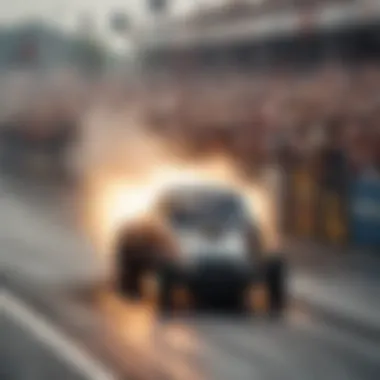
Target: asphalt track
[[45, 263]]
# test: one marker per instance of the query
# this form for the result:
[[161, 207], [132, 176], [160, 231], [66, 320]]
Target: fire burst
[[126, 172]]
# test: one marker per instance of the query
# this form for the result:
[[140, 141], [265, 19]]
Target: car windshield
[[213, 210]]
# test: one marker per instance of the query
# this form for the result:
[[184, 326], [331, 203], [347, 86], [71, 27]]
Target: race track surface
[[45, 263]]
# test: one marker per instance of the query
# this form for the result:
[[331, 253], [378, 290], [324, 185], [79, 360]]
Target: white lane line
[[50, 335]]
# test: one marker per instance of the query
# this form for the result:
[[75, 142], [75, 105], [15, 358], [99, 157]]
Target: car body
[[203, 239]]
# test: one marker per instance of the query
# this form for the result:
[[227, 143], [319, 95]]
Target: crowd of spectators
[[283, 118], [325, 124]]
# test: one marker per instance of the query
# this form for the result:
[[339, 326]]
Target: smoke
[[124, 167]]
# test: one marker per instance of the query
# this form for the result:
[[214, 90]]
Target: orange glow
[[129, 172], [115, 201]]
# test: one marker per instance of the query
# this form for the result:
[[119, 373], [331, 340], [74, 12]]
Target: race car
[[203, 240]]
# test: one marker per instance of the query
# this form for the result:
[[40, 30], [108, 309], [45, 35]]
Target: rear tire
[[276, 285], [232, 301], [165, 294], [129, 276], [239, 305]]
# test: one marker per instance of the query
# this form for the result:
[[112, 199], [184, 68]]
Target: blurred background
[[291, 85], [281, 95]]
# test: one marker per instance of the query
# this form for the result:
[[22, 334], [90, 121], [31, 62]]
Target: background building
[[269, 34]]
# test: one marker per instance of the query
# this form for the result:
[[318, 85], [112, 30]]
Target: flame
[[127, 173], [115, 201]]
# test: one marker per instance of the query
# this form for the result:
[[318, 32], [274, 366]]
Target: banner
[[365, 211]]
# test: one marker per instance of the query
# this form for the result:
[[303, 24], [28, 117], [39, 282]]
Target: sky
[[67, 12]]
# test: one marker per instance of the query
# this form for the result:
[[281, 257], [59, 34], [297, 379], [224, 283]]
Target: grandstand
[[294, 33]]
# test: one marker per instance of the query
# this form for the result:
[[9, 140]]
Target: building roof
[[247, 21]]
